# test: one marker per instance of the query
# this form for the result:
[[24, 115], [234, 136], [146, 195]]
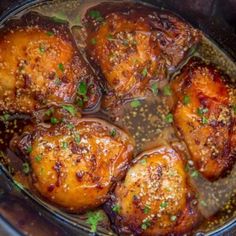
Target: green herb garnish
[[26, 168], [64, 145], [5, 117], [116, 208], [82, 89], [204, 120], [54, 120], [42, 48], [50, 33], [61, 67], [29, 149], [194, 174], [144, 72], [49, 112], [93, 219], [173, 218], [80, 102], [146, 209], [186, 100], [146, 223], [93, 41], [113, 133], [70, 126], [167, 90], [163, 204], [77, 138], [110, 37], [201, 111], [71, 109], [96, 15], [38, 158], [169, 118], [135, 103], [154, 88]]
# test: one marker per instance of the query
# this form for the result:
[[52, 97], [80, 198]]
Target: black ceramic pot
[[19, 213]]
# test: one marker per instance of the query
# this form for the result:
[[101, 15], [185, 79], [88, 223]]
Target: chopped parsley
[[29, 149], [146, 209], [194, 174], [61, 67], [113, 133], [5, 117], [167, 90], [116, 208], [93, 219], [110, 37], [163, 204], [69, 108], [93, 41], [70, 126], [49, 112], [146, 223], [154, 88], [38, 158], [42, 48], [186, 100], [50, 33], [204, 120], [54, 120], [82, 89], [80, 102], [64, 145], [26, 168], [201, 111], [135, 103], [77, 138], [169, 118], [144, 72], [173, 218], [96, 15]]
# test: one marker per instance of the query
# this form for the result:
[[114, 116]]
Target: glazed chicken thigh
[[136, 45], [75, 165], [40, 65], [205, 117], [155, 197]]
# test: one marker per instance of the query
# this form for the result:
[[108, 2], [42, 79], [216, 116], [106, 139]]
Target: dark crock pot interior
[[19, 214]]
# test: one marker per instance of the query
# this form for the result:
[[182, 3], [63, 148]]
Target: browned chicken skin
[[76, 165], [155, 197], [135, 45], [205, 117], [40, 66]]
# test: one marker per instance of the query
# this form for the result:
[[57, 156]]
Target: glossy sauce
[[145, 120]]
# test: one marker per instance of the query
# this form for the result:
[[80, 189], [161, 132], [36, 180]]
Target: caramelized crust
[[75, 166], [40, 66], [207, 121], [154, 198], [135, 45]]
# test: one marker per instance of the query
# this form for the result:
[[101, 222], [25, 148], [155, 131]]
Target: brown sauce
[[145, 121]]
